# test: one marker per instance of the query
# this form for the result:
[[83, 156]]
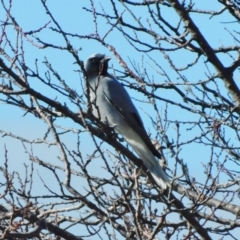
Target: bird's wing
[[118, 97]]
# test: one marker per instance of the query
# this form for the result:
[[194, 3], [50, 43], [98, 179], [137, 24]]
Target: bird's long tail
[[155, 169], [158, 174], [139, 146]]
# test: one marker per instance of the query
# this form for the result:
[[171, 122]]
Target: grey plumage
[[111, 103]]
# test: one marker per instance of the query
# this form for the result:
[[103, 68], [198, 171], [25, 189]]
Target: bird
[[112, 104]]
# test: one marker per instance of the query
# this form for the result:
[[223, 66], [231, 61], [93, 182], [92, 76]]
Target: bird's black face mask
[[97, 65], [103, 66]]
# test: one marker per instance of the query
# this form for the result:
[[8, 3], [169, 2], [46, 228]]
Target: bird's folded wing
[[120, 100]]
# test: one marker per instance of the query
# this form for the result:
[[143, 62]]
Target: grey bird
[[112, 104]]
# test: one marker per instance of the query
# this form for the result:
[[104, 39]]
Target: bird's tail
[[139, 146], [158, 173]]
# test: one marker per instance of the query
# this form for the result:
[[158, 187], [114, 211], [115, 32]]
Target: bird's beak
[[105, 59]]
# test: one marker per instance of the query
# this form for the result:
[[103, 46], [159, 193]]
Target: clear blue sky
[[74, 19], [30, 15]]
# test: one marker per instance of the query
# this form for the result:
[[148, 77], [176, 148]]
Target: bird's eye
[[93, 60]]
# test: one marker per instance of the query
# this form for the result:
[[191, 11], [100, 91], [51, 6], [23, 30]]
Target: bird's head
[[96, 64]]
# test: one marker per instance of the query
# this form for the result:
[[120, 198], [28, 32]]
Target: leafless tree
[[78, 179]]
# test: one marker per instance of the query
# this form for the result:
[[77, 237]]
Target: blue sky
[[70, 15], [74, 19]]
